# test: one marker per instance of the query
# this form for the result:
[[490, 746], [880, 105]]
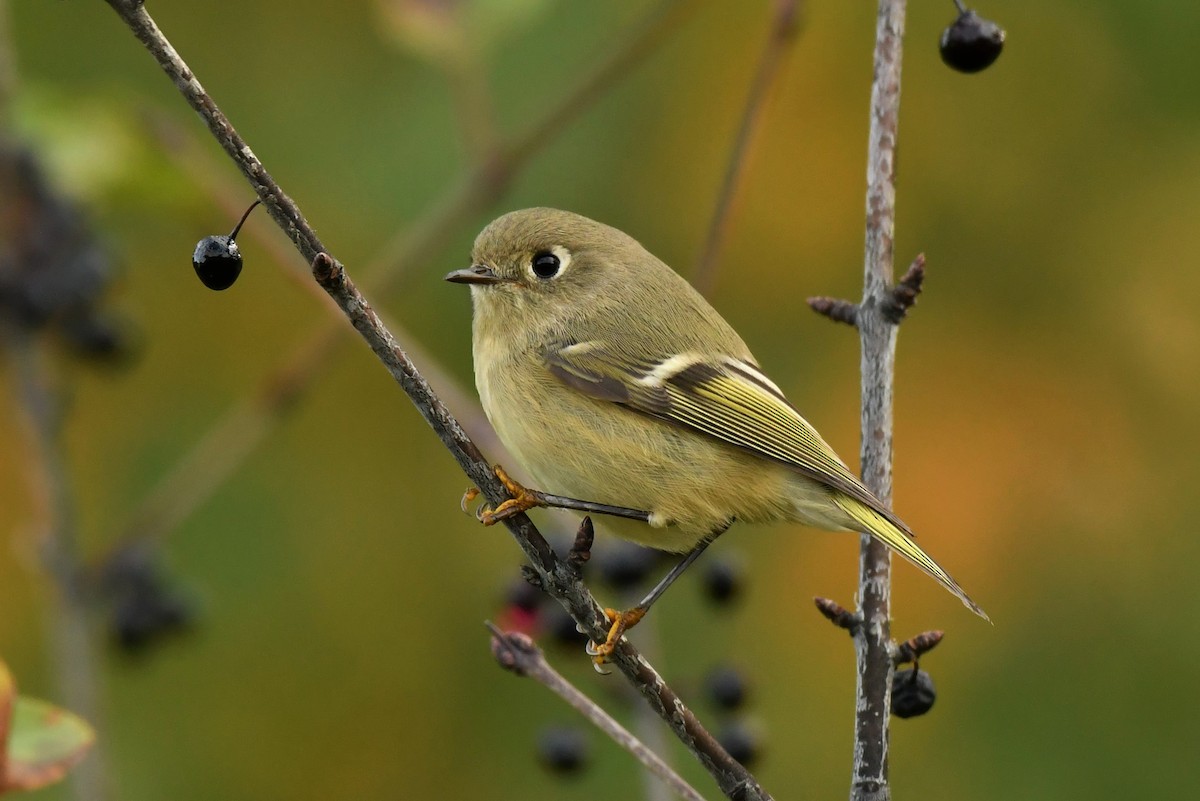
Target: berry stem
[[233, 234]]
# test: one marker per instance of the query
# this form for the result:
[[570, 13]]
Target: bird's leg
[[524, 499], [623, 621]]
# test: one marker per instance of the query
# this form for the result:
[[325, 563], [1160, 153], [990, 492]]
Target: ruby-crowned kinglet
[[612, 380]]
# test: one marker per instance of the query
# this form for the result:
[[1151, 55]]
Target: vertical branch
[[72, 651], [872, 640], [40, 402]]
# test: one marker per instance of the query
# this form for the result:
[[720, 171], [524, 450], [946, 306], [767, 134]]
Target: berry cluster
[[54, 271], [145, 609]]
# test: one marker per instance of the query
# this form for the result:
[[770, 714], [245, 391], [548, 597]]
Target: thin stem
[[872, 639], [635, 45], [778, 45], [233, 234], [473, 103], [518, 653], [73, 653]]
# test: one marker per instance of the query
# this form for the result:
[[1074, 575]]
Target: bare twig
[[518, 653], [581, 549], [837, 614], [914, 648], [836, 309], [238, 433], [472, 103], [634, 46], [904, 294], [784, 26], [895, 305], [869, 779]]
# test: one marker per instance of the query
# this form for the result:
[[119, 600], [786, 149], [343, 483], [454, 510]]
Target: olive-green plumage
[[612, 380]]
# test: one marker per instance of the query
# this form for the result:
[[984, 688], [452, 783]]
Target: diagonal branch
[[779, 42], [244, 426], [558, 578], [518, 653]]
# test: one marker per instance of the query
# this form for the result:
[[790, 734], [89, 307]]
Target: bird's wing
[[726, 398], [729, 399]]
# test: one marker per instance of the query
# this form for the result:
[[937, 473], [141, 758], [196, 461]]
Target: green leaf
[[43, 743]]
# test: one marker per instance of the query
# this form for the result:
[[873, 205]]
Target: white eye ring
[[547, 264]]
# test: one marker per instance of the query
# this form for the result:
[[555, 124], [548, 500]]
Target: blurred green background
[[1046, 432]]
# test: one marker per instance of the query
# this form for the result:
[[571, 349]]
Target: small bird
[[612, 380]]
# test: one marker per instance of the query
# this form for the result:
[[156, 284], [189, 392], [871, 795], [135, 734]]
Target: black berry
[[145, 614], [562, 749], [217, 260], [740, 741], [52, 264], [722, 580], [727, 687], [971, 43], [562, 627], [524, 596], [98, 336], [624, 565], [912, 693], [145, 608]]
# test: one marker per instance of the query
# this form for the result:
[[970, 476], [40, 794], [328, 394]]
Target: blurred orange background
[[1046, 437]]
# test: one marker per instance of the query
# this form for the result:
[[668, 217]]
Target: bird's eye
[[546, 265]]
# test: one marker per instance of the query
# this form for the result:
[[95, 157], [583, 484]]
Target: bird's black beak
[[475, 274]]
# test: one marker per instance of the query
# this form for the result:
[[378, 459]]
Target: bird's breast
[[599, 451]]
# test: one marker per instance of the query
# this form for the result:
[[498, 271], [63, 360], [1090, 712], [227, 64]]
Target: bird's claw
[[522, 500], [620, 622], [471, 494]]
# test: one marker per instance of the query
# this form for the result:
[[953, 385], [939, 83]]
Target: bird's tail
[[902, 543]]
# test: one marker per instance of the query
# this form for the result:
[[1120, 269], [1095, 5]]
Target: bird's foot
[[620, 622], [522, 500]]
